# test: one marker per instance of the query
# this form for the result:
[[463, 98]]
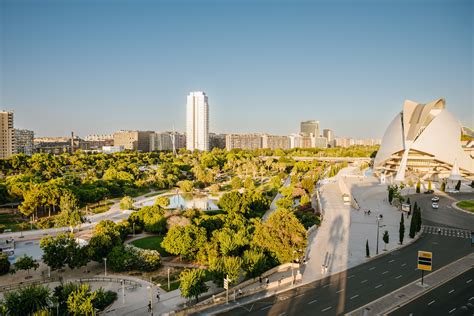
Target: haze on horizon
[[100, 66]]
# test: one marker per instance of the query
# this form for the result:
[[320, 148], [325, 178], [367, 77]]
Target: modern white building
[[197, 121], [423, 141]]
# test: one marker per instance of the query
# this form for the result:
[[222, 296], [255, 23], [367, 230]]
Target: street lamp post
[[150, 301], [133, 225], [379, 219], [168, 279], [105, 266]]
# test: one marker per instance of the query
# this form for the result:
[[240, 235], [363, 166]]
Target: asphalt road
[[351, 289], [455, 297], [360, 285], [445, 215]]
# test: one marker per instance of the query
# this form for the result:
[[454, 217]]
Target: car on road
[[429, 191], [435, 199], [435, 205]]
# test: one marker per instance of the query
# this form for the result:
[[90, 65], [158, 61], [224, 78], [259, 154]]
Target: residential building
[[243, 141], [7, 135], [97, 138], [197, 121], [54, 145], [24, 141], [320, 142], [301, 141], [423, 141], [329, 134], [308, 128], [275, 142], [133, 140], [164, 141]]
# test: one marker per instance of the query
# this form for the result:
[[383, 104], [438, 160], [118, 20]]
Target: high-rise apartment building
[[310, 127], [7, 135], [243, 141], [164, 141], [133, 140], [197, 121], [329, 134], [275, 142], [24, 141]]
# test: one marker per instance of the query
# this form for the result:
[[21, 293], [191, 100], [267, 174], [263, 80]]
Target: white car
[[435, 205], [435, 199]]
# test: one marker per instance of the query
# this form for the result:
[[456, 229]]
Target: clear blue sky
[[100, 66]]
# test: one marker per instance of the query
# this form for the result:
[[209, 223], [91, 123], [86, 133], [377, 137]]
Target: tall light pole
[[379, 219], [105, 266], [150, 301]]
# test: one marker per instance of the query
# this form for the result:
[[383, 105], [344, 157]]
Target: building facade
[[133, 140], [329, 134], [243, 141], [275, 142], [24, 141], [423, 141], [197, 121], [7, 135], [308, 128]]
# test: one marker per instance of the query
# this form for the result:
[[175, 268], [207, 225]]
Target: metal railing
[[15, 286]]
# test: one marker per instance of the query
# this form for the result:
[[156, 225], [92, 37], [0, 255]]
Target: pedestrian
[[267, 281], [158, 296], [240, 292], [260, 279]]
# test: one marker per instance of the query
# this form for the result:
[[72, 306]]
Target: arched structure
[[423, 142]]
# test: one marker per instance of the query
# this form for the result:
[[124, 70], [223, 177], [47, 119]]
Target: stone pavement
[[414, 290], [339, 243]]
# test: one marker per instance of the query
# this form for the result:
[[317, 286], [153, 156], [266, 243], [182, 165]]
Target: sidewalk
[[412, 291]]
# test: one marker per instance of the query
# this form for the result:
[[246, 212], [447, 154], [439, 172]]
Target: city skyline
[[79, 66]]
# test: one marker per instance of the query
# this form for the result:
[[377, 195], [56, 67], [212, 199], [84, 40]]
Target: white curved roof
[[427, 128]]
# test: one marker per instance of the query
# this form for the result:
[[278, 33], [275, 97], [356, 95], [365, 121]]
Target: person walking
[[267, 281]]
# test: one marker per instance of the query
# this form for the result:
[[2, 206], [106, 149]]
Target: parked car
[[452, 191], [435, 205], [435, 199], [429, 192]]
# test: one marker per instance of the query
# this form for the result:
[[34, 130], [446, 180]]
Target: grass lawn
[[151, 242], [467, 205]]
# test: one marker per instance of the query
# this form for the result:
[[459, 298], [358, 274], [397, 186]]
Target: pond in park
[[186, 201]]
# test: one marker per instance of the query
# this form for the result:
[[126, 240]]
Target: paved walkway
[[414, 290], [339, 243]]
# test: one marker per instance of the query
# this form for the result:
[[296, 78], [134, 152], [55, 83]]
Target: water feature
[[186, 201], [368, 172]]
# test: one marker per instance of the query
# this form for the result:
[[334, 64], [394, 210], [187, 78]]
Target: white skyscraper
[[197, 122]]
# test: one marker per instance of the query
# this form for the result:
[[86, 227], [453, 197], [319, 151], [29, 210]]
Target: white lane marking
[[313, 301], [431, 302], [398, 277], [391, 261], [371, 268], [404, 264], [451, 291], [380, 285], [469, 281], [357, 295], [340, 291], [327, 285], [452, 310], [363, 281], [351, 276], [326, 309], [385, 272], [302, 294], [264, 308]]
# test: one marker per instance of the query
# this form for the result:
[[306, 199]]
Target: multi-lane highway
[[455, 297], [351, 289]]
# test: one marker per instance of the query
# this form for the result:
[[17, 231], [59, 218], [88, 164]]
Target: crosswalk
[[446, 231]]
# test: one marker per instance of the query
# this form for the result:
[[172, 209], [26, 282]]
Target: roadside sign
[[226, 284], [425, 260]]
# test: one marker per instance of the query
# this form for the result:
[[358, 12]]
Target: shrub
[[103, 298], [126, 203], [4, 264]]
